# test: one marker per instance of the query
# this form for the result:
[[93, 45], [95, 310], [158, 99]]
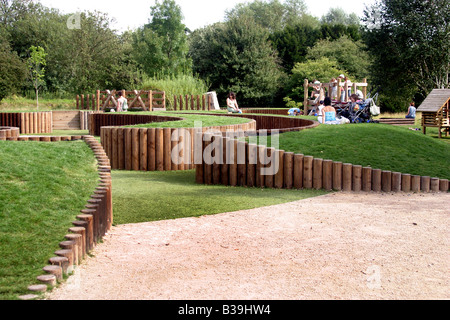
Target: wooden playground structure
[[435, 111], [327, 89], [145, 100]]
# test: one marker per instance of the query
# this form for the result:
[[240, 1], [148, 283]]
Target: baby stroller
[[364, 111]]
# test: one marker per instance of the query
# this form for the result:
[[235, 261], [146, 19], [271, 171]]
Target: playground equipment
[[328, 87], [435, 111]]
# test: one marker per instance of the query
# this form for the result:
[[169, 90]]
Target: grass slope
[[43, 186], [379, 146], [149, 196]]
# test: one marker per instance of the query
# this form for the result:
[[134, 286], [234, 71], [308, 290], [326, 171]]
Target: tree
[[339, 16], [12, 70], [349, 55], [237, 56], [36, 66], [322, 69], [409, 41], [161, 45]]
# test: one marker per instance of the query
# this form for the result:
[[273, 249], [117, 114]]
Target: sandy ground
[[337, 246]]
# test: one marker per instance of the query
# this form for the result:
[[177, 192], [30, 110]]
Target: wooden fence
[[192, 102], [299, 171], [28, 122], [145, 100]]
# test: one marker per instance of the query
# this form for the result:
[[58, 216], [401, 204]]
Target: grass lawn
[[149, 196], [379, 146], [43, 186]]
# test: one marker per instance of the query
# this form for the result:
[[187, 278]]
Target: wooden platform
[[398, 121]]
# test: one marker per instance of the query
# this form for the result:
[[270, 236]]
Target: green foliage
[[321, 69], [12, 70], [349, 55], [409, 41], [36, 65], [161, 45], [237, 56], [339, 16], [181, 84]]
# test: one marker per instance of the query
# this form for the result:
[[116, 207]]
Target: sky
[[131, 14]]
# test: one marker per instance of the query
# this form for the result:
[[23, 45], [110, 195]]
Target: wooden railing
[[145, 100]]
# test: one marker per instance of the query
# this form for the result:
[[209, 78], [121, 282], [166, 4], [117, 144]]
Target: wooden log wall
[[28, 122], [150, 149], [280, 111], [91, 224], [300, 171], [9, 133]]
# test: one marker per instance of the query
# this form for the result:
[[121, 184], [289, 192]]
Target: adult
[[232, 105], [122, 103], [329, 114], [411, 111]]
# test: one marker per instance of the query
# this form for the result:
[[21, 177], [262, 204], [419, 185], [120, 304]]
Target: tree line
[[262, 51]]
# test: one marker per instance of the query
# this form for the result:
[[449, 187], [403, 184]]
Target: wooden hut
[[435, 111]]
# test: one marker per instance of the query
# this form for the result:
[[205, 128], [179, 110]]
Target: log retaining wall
[[301, 171]]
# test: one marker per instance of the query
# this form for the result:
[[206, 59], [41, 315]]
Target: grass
[[379, 146], [190, 119], [174, 194], [43, 187], [23, 104]]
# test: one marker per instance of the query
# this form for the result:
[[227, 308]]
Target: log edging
[[301, 171], [93, 222]]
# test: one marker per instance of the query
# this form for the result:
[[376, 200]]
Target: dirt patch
[[337, 246]]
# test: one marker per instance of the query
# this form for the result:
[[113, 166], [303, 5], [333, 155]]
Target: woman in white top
[[232, 105], [122, 104]]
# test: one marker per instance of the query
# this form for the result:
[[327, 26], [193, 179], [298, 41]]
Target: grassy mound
[[43, 186]]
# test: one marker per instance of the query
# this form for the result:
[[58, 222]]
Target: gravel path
[[337, 246]]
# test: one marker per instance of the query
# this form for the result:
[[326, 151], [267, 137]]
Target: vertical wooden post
[[317, 173], [97, 104], [298, 171], [143, 149], [347, 176], [115, 152], [376, 180], [357, 178], [78, 101], [279, 175], [288, 168], [305, 98], [425, 184], [151, 153], [337, 175], [406, 182], [251, 165], [386, 181], [167, 149], [121, 148], [308, 172], [269, 177], [443, 185], [327, 174], [415, 183], [159, 146], [396, 182], [175, 103], [150, 100], [434, 185], [260, 179], [224, 168], [135, 149], [364, 90], [367, 179]]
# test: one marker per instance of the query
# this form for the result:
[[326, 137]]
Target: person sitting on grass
[[232, 105], [329, 114], [294, 112], [411, 111]]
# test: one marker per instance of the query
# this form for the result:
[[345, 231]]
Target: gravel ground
[[337, 246]]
